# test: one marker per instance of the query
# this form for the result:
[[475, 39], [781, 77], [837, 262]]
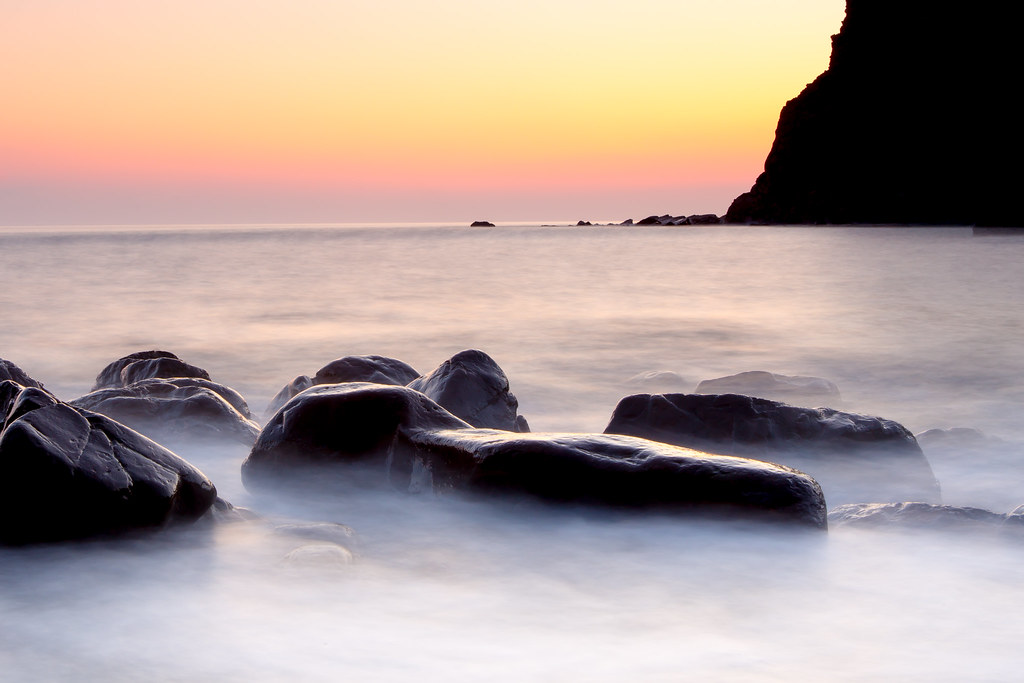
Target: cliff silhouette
[[914, 122]]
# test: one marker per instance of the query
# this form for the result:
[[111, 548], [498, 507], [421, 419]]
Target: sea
[[919, 325]]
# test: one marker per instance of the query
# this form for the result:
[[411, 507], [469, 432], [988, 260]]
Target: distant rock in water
[[69, 473], [668, 219], [9, 370], [790, 389], [855, 458], [914, 122], [472, 386], [922, 516], [658, 382], [367, 433], [481, 224]]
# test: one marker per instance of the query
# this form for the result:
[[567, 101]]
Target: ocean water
[[922, 326]]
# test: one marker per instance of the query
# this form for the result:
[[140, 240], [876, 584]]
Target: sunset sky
[[196, 111]]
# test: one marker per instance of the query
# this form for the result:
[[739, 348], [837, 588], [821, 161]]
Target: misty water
[[922, 326]]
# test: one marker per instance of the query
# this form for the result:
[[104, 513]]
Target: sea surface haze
[[918, 325]]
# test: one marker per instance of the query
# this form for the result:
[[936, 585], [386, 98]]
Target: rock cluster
[[668, 219], [162, 396]]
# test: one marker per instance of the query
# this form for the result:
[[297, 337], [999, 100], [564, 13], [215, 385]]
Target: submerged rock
[[182, 406], [400, 437], [787, 388], [68, 473], [854, 457], [657, 381], [472, 386], [918, 516]]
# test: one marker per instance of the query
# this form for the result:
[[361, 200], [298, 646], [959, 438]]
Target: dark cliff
[[914, 122]]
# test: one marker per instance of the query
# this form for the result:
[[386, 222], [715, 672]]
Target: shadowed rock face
[[110, 376], [9, 370], [69, 473], [472, 386], [409, 441], [856, 458], [912, 123]]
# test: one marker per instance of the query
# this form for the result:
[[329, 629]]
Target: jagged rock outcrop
[[9, 370], [70, 473], [912, 123]]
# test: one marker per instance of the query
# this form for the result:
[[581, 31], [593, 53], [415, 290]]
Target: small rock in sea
[[472, 386], [793, 389], [659, 381], [481, 224], [918, 516], [582, 223], [854, 457], [628, 221], [71, 473]]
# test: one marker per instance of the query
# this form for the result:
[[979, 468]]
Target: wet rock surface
[[9, 370], [922, 516], [854, 457], [69, 473], [472, 386]]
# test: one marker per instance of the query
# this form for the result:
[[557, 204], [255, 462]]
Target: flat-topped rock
[[472, 386], [794, 389], [70, 473], [854, 457], [616, 471]]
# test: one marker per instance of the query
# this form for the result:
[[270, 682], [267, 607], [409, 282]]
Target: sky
[[337, 111]]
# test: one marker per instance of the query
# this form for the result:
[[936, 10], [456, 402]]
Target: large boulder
[[353, 422], [616, 471], [472, 386], [856, 458], [387, 434], [68, 473], [794, 389], [178, 407], [9, 370]]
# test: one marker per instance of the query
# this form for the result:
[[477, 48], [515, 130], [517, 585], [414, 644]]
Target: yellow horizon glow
[[362, 94]]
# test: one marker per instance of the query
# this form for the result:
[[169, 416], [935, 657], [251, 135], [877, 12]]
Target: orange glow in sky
[[313, 100]]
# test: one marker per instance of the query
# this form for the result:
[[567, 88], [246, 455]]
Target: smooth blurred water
[[918, 325]]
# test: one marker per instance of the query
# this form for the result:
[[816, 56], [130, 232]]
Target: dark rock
[[912, 123], [472, 386], [915, 515], [658, 381], [110, 376], [617, 471], [481, 224], [354, 422], [854, 457], [289, 391], [787, 388], [703, 219], [179, 407], [628, 221], [581, 223], [373, 369], [69, 473], [160, 368], [9, 370]]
